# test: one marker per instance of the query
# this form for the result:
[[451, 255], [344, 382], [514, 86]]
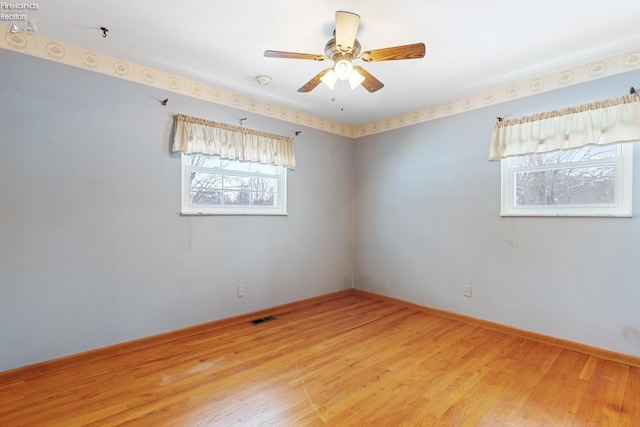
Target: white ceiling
[[472, 45]]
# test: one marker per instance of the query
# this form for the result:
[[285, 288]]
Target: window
[[586, 181], [214, 186]]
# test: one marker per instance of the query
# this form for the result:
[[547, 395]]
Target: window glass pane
[[203, 161], [566, 186], [588, 152], [242, 198], [233, 182], [264, 184], [220, 186], [263, 199], [205, 188], [264, 169], [236, 165], [211, 197]]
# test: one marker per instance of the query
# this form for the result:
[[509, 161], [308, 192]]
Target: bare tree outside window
[[205, 188], [264, 191], [595, 179], [215, 182], [567, 181]]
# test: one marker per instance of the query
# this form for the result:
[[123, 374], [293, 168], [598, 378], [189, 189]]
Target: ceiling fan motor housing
[[331, 50]]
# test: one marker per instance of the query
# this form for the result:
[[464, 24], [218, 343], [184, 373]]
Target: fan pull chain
[[333, 97]]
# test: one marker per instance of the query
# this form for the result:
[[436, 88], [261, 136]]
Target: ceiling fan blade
[[315, 81], [370, 83], [346, 28], [293, 55], [408, 51]]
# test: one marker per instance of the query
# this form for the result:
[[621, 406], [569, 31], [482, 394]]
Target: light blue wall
[[92, 249], [427, 224]]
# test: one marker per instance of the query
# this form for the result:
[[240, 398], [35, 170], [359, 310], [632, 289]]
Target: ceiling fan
[[344, 48]]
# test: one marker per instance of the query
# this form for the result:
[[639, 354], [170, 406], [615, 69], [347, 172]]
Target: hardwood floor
[[352, 360]]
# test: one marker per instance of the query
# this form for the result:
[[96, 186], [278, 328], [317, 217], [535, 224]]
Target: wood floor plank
[[349, 360], [603, 398], [545, 403], [630, 410], [518, 369]]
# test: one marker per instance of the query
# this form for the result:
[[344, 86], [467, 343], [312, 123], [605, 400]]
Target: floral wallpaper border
[[35, 45]]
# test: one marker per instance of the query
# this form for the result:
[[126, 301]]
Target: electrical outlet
[[467, 291], [240, 291]]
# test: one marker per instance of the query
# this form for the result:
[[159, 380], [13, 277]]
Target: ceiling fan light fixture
[[343, 69], [355, 79], [329, 79]]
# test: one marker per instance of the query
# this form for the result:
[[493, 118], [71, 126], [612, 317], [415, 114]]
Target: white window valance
[[198, 136], [605, 122]]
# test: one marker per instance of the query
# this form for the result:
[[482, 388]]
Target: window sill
[[233, 214], [566, 215]]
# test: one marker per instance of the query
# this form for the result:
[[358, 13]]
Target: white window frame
[[621, 207], [187, 208]]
